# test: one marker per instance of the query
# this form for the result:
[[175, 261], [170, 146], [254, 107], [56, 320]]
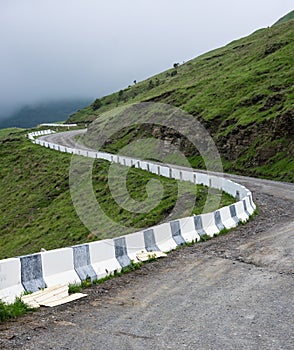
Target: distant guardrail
[[98, 259], [34, 134], [59, 124]]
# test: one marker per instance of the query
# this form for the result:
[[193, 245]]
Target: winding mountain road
[[232, 292]]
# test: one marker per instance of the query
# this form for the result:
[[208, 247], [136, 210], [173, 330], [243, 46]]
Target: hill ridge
[[289, 16], [242, 93]]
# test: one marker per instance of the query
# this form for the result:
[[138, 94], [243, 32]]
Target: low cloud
[[54, 49]]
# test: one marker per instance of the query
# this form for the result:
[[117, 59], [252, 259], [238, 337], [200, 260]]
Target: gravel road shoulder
[[232, 292]]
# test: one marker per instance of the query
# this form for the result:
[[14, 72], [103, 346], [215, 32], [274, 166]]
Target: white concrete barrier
[[59, 125], [10, 280], [163, 237], [109, 157], [242, 213], [216, 182], [58, 267], [102, 256], [209, 225], [134, 243], [165, 171], [34, 134], [226, 217], [176, 174], [188, 230], [249, 206], [142, 165], [202, 179], [128, 162], [234, 189], [152, 168], [92, 154], [188, 176]]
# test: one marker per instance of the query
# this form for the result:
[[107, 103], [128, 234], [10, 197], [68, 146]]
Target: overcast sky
[[52, 49]]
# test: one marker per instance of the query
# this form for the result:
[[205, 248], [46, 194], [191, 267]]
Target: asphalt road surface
[[232, 292]]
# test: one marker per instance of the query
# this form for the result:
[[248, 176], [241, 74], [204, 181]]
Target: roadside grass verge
[[76, 288], [16, 309]]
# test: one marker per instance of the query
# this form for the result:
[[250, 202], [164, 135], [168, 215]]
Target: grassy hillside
[[36, 209], [286, 18], [242, 93]]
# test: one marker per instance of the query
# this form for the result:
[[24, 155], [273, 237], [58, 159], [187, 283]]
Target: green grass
[[7, 132], [36, 209], [16, 309], [240, 92], [286, 18]]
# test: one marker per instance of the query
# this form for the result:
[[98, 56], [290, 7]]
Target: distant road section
[[276, 188], [66, 139]]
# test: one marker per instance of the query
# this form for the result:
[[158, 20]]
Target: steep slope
[[289, 16], [36, 209], [242, 93]]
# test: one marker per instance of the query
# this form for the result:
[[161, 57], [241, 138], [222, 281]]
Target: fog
[[55, 49]]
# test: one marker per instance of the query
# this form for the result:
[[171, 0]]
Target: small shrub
[[103, 279], [97, 104], [74, 288], [204, 238], [86, 283], [222, 232], [190, 244], [132, 267], [8, 311], [151, 84], [174, 73]]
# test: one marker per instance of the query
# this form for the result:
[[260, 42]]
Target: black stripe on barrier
[[218, 221], [149, 239], [32, 273], [251, 203], [176, 232], [245, 207], [198, 225], [234, 213], [82, 262], [121, 252]]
